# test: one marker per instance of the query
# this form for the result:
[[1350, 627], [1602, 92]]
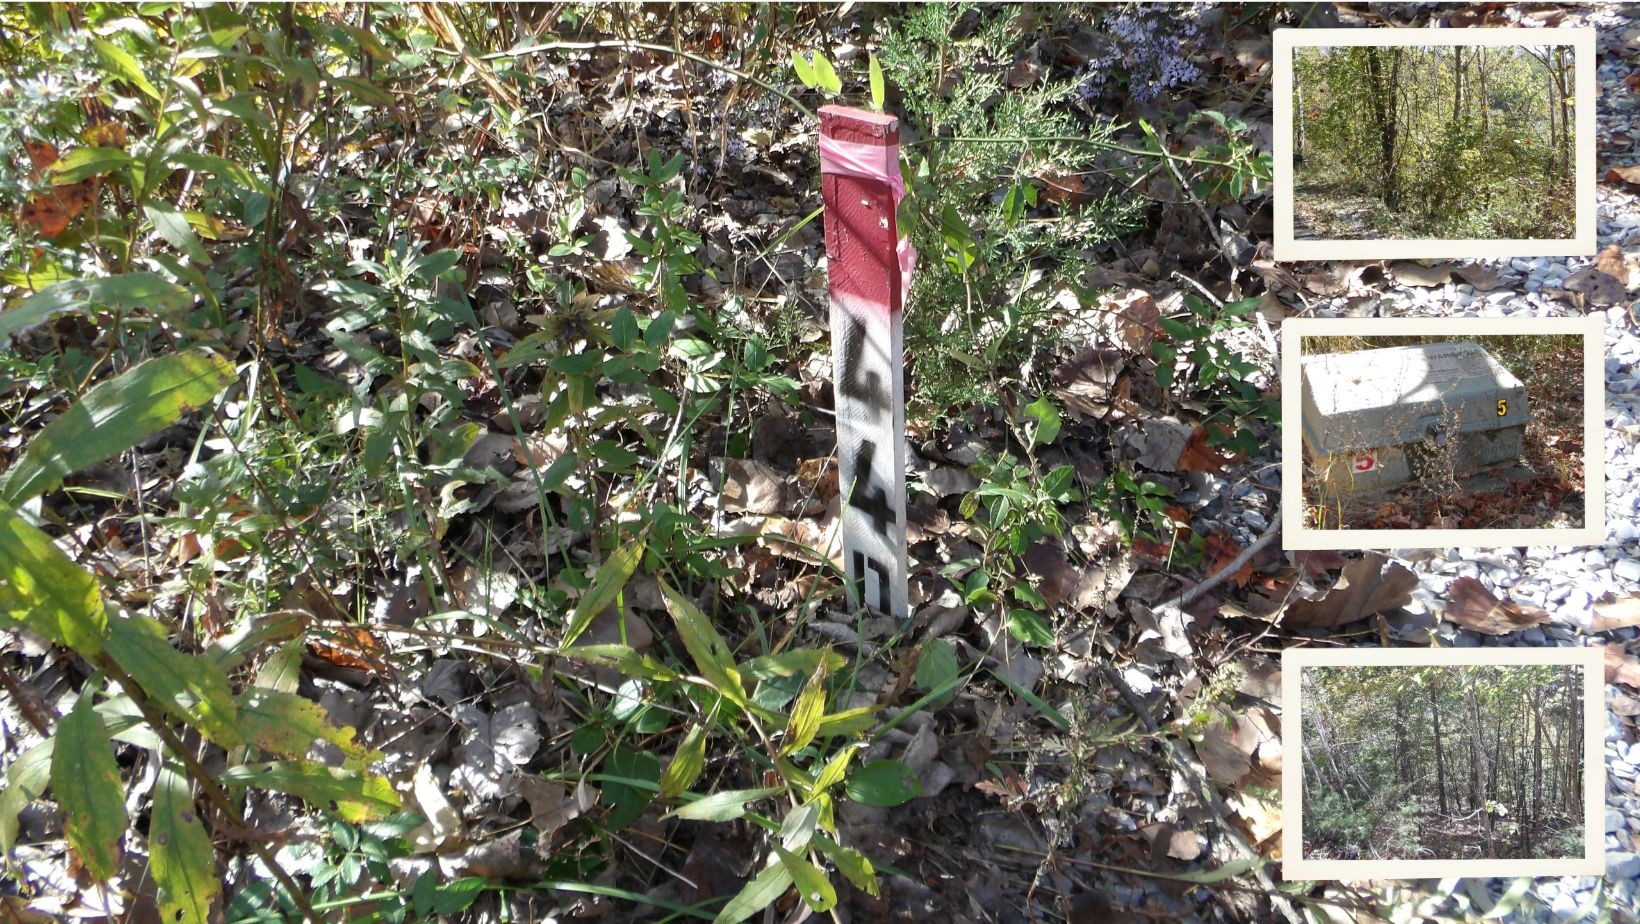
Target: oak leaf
[[1629, 175]]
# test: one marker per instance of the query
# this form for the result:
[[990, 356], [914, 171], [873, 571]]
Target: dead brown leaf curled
[[1367, 585], [1234, 745], [1616, 614], [1474, 607], [1621, 668]]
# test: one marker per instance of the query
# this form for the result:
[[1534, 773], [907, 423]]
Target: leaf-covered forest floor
[[501, 355], [1331, 213], [1446, 836]]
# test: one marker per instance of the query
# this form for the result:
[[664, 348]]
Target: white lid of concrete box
[[1396, 395]]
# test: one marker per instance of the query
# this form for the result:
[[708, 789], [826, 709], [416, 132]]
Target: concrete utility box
[[1377, 419]]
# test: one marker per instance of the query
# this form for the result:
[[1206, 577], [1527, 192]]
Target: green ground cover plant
[[416, 427]]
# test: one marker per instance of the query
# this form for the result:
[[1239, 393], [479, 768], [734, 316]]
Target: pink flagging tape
[[873, 162]]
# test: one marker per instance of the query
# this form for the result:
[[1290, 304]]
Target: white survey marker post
[[869, 271]]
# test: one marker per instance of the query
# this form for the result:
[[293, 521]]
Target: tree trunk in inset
[[1477, 767], [1440, 769], [1574, 742], [1382, 96], [1457, 84], [1401, 739], [1563, 84], [1486, 98], [1537, 762], [1298, 123]]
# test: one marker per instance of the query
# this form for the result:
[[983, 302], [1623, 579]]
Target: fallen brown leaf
[[1629, 175], [1262, 818], [1599, 287], [1408, 273], [1063, 584], [1230, 747], [1369, 584], [1611, 262], [350, 646], [1620, 668], [1616, 614], [1474, 607], [1169, 840], [1096, 383], [1133, 315], [1198, 456], [1479, 275], [750, 486], [1220, 549], [1318, 562]]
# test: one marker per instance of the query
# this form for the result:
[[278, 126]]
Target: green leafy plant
[[776, 704], [155, 686], [1196, 348]]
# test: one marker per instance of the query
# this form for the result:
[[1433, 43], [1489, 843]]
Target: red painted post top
[[861, 126], [861, 236]]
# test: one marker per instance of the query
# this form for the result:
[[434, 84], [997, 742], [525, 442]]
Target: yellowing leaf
[[624, 659], [114, 416], [806, 714], [723, 806], [811, 883], [836, 768], [826, 75], [180, 852], [86, 781], [354, 795], [848, 722], [853, 864], [26, 779], [42, 589], [686, 765], [188, 686], [803, 69], [606, 586], [287, 725], [706, 647], [878, 92]]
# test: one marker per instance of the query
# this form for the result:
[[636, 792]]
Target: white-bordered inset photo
[[1401, 433], [1426, 763], [1434, 143]]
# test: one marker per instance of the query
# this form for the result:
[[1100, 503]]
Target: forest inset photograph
[[1437, 141], [1443, 762]]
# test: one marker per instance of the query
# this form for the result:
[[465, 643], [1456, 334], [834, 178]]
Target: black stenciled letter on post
[[867, 494]]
